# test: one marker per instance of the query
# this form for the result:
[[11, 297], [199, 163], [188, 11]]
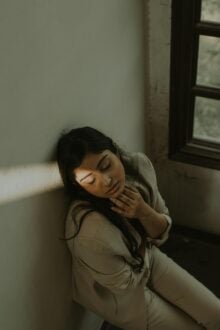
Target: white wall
[[191, 192], [64, 64]]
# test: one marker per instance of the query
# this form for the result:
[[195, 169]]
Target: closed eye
[[91, 182], [105, 168], [102, 169]]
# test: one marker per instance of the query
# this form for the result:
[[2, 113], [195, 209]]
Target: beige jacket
[[102, 279]]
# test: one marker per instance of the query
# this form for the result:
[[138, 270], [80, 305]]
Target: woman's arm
[[107, 268], [155, 219], [159, 213], [132, 205], [154, 223]]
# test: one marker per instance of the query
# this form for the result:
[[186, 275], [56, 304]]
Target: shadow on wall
[[51, 275], [51, 272]]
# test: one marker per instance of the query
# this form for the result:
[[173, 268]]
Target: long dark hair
[[72, 147]]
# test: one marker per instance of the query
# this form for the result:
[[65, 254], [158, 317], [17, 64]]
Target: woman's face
[[98, 173]]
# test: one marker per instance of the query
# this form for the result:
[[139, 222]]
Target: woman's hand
[[130, 203]]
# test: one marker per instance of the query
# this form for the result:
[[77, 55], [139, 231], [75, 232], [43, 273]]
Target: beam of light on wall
[[23, 181]]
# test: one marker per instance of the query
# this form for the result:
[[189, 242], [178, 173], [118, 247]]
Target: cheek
[[93, 188], [90, 188]]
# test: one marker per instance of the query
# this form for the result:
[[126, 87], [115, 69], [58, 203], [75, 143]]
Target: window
[[194, 135]]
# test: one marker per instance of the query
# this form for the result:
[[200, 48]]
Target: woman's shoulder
[[144, 168], [140, 161], [136, 158]]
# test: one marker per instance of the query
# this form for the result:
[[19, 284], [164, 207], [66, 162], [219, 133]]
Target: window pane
[[211, 10], [207, 119], [208, 72]]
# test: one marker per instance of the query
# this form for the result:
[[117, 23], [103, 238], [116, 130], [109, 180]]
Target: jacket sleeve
[[148, 171], [108, 269], [160, 207]]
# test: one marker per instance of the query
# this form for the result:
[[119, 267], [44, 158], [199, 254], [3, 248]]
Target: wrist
[[146, 212], [154, 223]]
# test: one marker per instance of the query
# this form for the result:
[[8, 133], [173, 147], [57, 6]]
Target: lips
[[113, 187]]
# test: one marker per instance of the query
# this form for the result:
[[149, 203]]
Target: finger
[[126, 199], [119, 209], [130, 193], [131, 188], [118, 202], [116, 209]]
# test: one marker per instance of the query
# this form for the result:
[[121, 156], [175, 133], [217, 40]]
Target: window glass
[[207, 119], [208, 72], [210, 10]]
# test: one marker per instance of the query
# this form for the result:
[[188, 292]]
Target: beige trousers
[[177, 300]]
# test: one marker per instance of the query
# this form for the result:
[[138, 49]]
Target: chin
[[117, 193]]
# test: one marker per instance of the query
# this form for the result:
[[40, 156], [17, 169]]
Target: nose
[[107, 180]]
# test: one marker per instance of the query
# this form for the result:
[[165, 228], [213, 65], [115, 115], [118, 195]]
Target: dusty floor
[[197, 252]]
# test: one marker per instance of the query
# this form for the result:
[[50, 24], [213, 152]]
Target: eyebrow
[[96, 166]]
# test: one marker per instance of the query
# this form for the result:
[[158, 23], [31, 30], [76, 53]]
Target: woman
[[115, 223]]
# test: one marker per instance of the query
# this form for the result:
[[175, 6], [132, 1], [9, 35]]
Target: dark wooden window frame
[[186, 28]]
